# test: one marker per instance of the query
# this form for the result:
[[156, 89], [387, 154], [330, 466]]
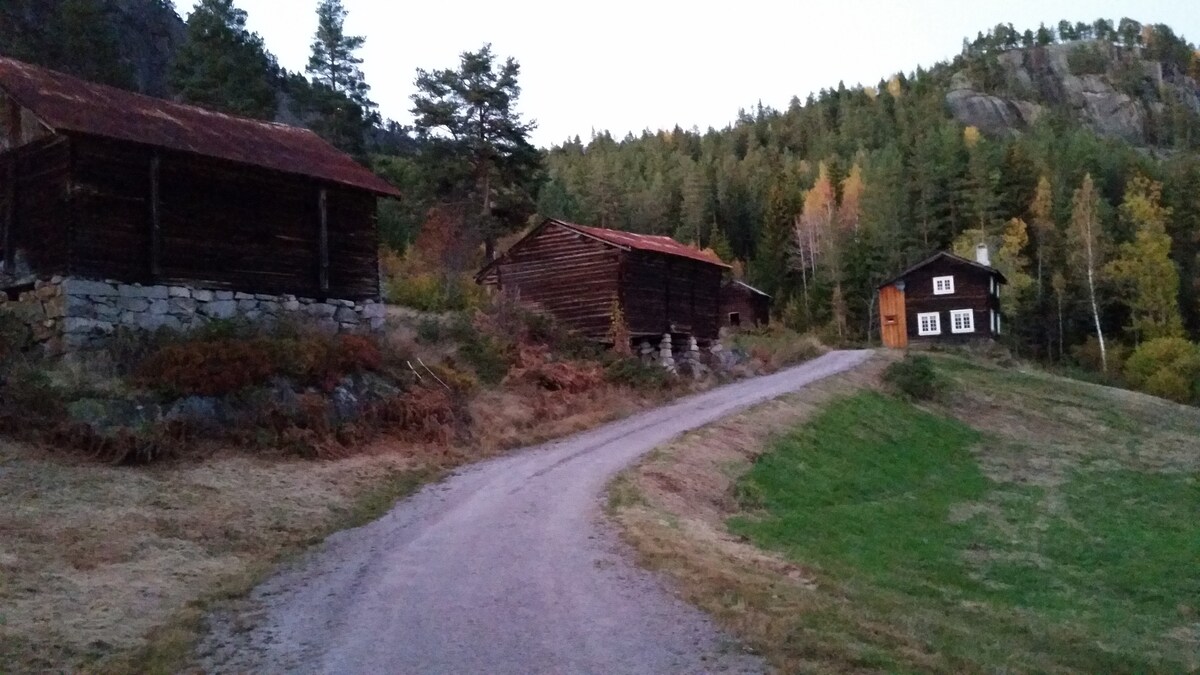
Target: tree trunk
[[1096, 315], [1060, 326]]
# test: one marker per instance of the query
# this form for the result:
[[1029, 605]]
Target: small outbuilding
[[743, 305], [583, 275], [944, 298], [120, 200]]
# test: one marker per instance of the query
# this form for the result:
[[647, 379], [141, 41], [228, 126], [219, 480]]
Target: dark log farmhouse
[[744, 305], [582, 274], [101, 184], [944, 298]]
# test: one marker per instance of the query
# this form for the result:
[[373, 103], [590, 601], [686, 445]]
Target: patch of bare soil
[[672, 508]]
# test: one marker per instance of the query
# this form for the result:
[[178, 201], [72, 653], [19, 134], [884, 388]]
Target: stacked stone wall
[[71, 313]]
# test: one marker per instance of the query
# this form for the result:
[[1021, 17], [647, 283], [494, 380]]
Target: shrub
[[536, 368], [637, 375], [1087, 59], [15, 336], [216, 367], [427, 414], [1166, 367], [1088, 355], [430, 292], [915, 377], [487, 356]]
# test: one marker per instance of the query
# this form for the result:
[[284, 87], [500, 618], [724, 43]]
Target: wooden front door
[[893, 326]]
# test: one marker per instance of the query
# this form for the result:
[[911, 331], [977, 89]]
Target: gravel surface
[[505, 567]]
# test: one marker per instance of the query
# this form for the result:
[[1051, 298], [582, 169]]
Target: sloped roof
[[946, 254], [68, 104], [644, 242], [619, 239], [739, 282]]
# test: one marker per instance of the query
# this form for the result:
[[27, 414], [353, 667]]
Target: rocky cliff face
[[150, 32], [1042, 78]]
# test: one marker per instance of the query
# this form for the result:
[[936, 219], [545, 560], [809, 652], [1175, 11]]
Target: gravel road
[[505, 567]]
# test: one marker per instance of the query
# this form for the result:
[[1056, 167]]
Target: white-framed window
[[929, 323], [943, 285], [962, 321], [997, 315]]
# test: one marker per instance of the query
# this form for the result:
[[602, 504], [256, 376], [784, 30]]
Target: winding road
[[505, 567]]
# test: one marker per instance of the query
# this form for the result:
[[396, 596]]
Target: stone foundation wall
[[70, 313]]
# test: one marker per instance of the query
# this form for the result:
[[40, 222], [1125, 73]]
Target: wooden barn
[[944, 298], [581, 274], [743, 305], [100, 183]]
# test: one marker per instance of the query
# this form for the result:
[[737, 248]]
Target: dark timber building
[[944, 298], [582, 274], [106, 185]]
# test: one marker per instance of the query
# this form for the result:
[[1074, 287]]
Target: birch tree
[[1086, 256]]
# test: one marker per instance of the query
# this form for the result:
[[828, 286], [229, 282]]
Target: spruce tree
[[223, 65]]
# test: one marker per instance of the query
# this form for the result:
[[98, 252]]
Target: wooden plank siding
[[34, 200], [668, 294], [972, 290], [573, 277], [219, 225], [752, 308]]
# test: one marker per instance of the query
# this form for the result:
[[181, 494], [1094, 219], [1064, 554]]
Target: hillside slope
[[1025, 523]]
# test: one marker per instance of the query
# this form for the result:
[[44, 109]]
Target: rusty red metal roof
[[645, 242], [67, 104]]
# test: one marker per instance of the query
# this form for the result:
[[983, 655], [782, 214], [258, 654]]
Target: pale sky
[[626, 65]]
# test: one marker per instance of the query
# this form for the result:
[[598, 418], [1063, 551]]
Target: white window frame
[[997, 322], [943, 285], [956, 314], [935, 317]]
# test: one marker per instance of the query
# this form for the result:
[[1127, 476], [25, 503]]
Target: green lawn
[[1058, 532]]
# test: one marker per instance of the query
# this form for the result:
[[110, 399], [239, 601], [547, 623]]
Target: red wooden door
[[893, 326]]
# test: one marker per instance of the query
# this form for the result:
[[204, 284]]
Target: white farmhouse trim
[[943, 285], [962, 321], [929, 323]]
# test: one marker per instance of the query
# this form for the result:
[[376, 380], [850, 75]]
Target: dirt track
[[505, 567]]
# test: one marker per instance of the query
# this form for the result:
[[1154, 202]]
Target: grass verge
[[1025, 524]]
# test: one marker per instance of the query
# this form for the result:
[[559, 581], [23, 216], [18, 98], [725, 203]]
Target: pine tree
[[1144, 264], [1087, 251], [334, 62], [336, 103], [469, 120], [223, 65]]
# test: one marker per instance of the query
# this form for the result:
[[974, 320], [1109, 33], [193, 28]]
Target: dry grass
[[111, 569], [93, 558], [673, 508]]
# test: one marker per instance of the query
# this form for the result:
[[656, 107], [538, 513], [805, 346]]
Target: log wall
[[34, 180], [216, 225], [571, 276], [668, 294]]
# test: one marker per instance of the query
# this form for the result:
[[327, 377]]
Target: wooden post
[[10, 214], [12, 113], [323, 240], [155, 219]]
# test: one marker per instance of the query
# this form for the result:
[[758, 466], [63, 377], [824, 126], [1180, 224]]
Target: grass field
[[1025, 523]]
